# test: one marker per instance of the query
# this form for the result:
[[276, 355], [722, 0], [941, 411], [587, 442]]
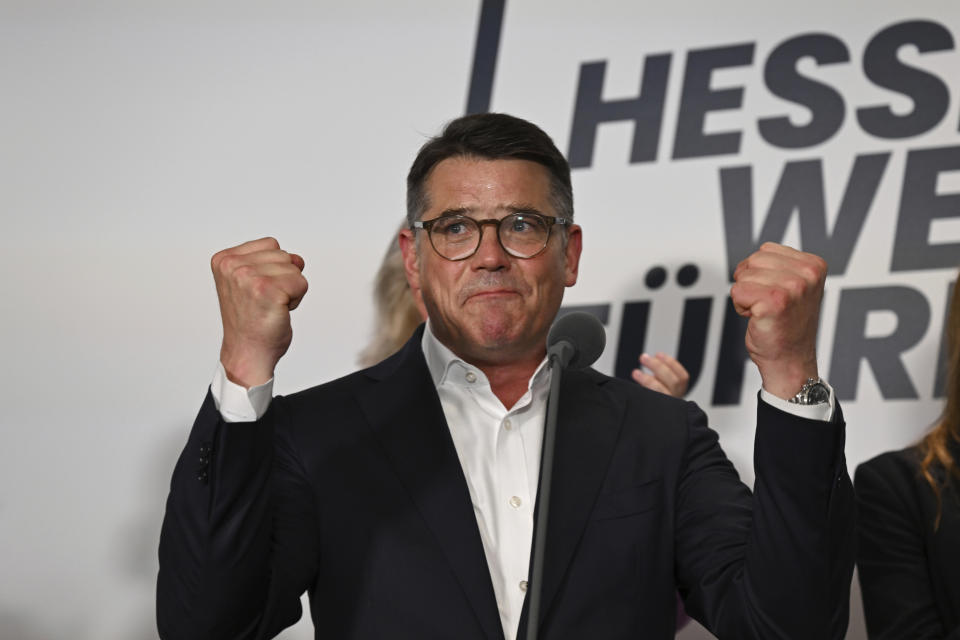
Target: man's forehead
[[502, 185]]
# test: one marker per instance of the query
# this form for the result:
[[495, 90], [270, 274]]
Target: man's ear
[[411, 261], [572, 257]]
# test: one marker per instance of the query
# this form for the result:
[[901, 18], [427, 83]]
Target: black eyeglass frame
[[548, 221]]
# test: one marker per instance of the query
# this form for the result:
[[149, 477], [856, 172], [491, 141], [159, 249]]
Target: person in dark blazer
[[401, 497], [909, 503]]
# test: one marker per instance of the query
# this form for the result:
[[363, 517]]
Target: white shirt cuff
[[822, 411], [236, 403]]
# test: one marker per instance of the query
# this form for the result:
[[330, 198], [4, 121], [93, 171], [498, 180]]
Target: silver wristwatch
[[812, 392]]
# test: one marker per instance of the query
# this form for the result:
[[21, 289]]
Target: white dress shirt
[[498, 449]]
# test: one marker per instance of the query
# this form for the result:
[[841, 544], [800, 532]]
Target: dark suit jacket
[[909, 572], [353, 492]]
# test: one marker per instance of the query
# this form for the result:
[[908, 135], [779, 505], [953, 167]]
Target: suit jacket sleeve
[[895, 581], [238, 543], [776, 564]]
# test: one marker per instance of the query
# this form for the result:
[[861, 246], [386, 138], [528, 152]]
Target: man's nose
[[490, 254]]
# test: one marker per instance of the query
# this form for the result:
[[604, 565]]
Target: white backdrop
[[137, 138]]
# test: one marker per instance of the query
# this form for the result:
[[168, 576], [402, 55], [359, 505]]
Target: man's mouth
[[492, 294]]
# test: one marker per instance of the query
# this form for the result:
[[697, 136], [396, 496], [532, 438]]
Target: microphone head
[[583, 332]]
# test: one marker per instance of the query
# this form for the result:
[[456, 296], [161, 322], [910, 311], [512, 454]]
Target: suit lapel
[[588, 425], [404, 411]]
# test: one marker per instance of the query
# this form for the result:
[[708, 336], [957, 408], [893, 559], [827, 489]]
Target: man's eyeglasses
[[457, 237]]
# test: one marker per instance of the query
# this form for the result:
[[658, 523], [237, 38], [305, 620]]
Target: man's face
[[491, 308]]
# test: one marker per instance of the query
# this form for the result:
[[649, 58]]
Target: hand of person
[[666, 375], [258, 285], [779, 289]]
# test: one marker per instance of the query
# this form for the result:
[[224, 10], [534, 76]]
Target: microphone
[[575, 341]]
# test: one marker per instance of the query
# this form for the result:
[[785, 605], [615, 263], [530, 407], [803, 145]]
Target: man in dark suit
[[401, 497]]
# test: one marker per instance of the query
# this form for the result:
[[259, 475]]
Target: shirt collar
[[446, 367]]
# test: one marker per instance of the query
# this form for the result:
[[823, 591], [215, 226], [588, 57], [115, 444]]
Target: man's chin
[[500, 340]]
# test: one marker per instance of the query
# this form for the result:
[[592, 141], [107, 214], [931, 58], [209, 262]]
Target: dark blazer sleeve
[[776, 564], [238, 543], [895, 581]]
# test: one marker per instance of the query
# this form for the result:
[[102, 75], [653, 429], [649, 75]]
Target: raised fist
[[779, 289], [258, 285]]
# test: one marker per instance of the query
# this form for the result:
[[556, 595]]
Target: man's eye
[[521, 224], [453, 227]]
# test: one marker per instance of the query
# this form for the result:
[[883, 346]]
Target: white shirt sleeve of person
[[236, 403]]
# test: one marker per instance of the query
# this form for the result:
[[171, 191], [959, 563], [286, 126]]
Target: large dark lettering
[[728, 385], [633, 337], [646, 111], [919, 206], [882, 66], [698, 99], [825, 103], [693, 337], [801, 190], [485, 55], [851, 344], [943, 359]]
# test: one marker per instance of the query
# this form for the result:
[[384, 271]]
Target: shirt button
[[523, 586], [515, 502], [507, 424], [471, 376]]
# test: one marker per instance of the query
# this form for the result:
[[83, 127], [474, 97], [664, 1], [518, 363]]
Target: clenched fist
[[258, 285], [779, 289]]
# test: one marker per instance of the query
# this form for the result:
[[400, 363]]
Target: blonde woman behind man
[[909, 522]]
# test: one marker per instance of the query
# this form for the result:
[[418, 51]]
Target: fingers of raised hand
[[668, 375], [279, 283], [253, 246], [648, 381], [770, 260]]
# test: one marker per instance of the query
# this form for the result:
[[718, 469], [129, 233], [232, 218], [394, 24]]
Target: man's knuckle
[[240, 271], [217, 259], [811, 272], [260, 285], [779, 300]]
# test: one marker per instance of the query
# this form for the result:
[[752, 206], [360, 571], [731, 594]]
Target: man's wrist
[[786, 380], [247, 366]]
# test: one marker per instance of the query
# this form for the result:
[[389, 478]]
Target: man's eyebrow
[[512, 208], [461, 211], [523, 208]]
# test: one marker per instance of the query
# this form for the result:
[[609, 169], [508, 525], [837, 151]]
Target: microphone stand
[[559, 356]]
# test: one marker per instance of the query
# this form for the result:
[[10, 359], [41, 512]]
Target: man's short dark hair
[[490, 136]]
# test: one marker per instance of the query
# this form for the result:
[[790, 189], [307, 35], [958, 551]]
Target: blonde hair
[[935, 446], [396, 310]]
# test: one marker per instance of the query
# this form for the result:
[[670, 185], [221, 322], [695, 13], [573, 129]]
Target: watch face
[[818, 394]]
